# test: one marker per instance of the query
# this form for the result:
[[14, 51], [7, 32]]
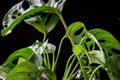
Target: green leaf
[[76, 31], [25, 53], [12, 25], [93, 49], [113, 67], [96, 56], [3, 72], [106, 40], [23, 71], [35, 7], [37, 24], [47, 74]]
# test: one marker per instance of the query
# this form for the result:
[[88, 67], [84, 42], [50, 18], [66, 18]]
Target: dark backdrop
[[95, 14]]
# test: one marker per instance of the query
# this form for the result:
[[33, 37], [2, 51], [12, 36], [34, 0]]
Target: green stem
[[48, 61], [53, 60], [39, 72], [44, 37], [82, 69], [69, 61], [65, 26], [94, 72], [58, 53], [70, 76], [68, 69], [45, 60]]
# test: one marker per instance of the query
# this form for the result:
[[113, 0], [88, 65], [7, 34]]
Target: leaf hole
[[115, 51], [94, 64], [94, 47], [13, 17], [91, 47], [78, 31], [1, 79], [48, 18], [103, 74], [25, 5], [46, 1], [109, 54], [88, 40], [56, 0], [5, 25], [85, 45], [102, 41], [15, 61]]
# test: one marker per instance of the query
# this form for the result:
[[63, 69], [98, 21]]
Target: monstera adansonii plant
[[91, 50]]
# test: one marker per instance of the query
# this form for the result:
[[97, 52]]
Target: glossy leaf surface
[[19, 13], [24, 53], [106, 40], [47, 74], [13, 24], [74, 28], [23, 71], [113, 66]]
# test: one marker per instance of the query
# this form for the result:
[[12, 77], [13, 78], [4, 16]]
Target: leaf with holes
[[113, 66], [12, 24], [23, 71], [18, 13], [96, 54], [76, 31], [106, 40], [25, 53]]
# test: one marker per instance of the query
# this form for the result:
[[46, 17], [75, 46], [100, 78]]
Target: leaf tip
[[5, 32]]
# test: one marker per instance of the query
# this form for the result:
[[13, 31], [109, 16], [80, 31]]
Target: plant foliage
[[92, 50]]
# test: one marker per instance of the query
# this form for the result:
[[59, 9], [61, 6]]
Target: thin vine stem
[[72, 42], [70, 76], [65, 26], [95, 71], [69, 61], [69, 69], [58, 53], [48, 61], [53, 60]]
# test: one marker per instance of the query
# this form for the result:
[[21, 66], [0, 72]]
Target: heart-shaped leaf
[[76, 31], [23, 71], [25, 15], [106, 40], [113, 67], [19, 13], [47, 74], [25, 53]]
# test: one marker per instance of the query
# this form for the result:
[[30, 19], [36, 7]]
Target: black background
[[94, 14]]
